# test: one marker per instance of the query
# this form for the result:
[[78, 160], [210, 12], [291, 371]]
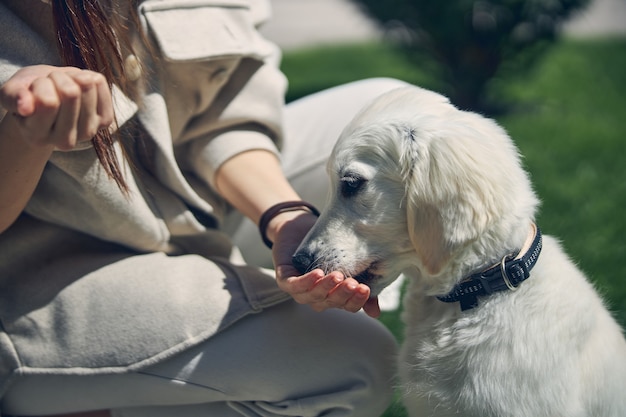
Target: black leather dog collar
[[506, 275]]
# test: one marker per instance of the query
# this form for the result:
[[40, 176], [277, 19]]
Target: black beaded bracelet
[[275, 210]]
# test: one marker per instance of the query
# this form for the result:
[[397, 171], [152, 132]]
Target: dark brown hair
[[89, 35]]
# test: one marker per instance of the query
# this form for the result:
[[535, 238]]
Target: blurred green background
[[568, 117]]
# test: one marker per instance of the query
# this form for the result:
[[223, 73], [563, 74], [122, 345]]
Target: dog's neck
[[507, 274]]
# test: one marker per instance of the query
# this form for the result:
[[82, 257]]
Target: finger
[[360, 296], [19, 101], [324, 288], [318, 292], [340, 296], [88, 121], [37, 126], [16, 97], [289, 281], [372, 308], [65, 129], [96, 85], [327, 284], [347, 297], [105, 102]]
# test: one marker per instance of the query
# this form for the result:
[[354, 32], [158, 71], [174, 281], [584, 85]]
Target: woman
[[126, 155]]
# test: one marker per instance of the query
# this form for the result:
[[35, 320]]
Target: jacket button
[[132, 67]]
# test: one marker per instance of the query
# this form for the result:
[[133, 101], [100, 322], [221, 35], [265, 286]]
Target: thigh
[[287, 360], [312, 126]]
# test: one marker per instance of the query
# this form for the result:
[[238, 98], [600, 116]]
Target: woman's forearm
[[252, 182], [21, 166]]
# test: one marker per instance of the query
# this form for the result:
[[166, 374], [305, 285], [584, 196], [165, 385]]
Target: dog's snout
[[302, 260]]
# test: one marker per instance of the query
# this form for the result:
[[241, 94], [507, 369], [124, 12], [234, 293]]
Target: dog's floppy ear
[[448, 197]]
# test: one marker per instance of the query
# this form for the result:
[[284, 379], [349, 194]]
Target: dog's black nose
[[302, 260]]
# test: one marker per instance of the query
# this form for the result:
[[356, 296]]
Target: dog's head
[[417, 183]]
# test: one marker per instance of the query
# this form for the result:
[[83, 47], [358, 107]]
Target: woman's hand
[[57, 106], [43, 108], [252, 182], [321, 291]]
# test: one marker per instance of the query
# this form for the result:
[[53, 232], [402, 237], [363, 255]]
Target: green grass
[[569, 121], [573, 137], [312, 70]]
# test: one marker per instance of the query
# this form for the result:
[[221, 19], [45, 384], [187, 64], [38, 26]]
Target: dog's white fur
[[423, 188]]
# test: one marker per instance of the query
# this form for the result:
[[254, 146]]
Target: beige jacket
[[93, 281]]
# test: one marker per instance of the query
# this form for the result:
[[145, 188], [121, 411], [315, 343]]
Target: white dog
[[499, 322]]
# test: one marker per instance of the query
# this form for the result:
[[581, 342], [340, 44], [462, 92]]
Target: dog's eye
[[351, 184]]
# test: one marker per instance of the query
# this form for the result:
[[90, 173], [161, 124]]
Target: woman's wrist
[[272, 219]]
